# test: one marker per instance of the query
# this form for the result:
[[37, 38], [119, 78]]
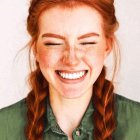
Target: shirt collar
[[85, 125]]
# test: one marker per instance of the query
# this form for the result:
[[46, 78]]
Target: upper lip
[[71, 71]]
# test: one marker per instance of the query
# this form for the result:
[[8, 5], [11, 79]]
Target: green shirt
[[13, 120]]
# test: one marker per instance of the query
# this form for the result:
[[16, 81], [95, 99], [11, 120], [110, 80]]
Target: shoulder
[[121, 100], [127, 107], [15, 109], [128, 118], [12, 120], [14, 105]]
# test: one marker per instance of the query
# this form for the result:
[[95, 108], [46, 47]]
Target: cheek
[[95, 61], [95, 57], [48, 58]]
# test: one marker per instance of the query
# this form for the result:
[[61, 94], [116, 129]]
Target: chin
[[72, 95]]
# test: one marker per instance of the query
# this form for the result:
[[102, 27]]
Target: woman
[[70, 97]]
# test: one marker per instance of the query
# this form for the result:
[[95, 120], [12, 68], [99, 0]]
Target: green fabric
[[13, 120]]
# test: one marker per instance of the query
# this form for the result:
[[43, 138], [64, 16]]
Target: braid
[[36, 104], [104, 116]]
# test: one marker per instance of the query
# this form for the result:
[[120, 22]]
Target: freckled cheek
[[48, 59], [94, 59]]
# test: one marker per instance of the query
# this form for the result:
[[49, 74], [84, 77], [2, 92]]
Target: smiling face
[[71, 49]]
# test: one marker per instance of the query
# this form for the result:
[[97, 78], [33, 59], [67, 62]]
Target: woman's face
[[71, 49]]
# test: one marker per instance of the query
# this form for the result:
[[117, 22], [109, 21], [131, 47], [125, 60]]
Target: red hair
[[103, 98]]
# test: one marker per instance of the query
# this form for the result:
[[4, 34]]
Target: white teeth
[[72, 75]]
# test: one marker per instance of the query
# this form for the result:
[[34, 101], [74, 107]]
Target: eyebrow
[[53, 35], [63, 38], [88, 35]]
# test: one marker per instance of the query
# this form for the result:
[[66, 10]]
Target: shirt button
[[78, 133]]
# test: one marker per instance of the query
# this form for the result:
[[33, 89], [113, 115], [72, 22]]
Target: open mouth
[[72, 75]]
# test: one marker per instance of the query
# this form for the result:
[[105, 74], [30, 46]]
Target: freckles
[[47, 59], [44, 62], [94, 57]]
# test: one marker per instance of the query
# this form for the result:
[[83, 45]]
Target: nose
[[71, 57]]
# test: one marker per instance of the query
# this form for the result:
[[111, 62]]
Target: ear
[[109, 46]]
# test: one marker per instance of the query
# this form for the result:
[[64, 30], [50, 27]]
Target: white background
[[14, 63]]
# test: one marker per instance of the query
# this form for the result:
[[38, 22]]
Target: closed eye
[[88, 43], [51, 44]]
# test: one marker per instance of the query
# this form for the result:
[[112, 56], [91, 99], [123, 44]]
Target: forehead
[[68, 21]]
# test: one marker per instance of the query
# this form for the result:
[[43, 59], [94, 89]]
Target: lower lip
[[71, 81]]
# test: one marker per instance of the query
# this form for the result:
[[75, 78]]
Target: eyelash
[[88, 43], [50, 44]]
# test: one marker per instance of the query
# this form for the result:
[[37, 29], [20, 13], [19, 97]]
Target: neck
[[69, 112]]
